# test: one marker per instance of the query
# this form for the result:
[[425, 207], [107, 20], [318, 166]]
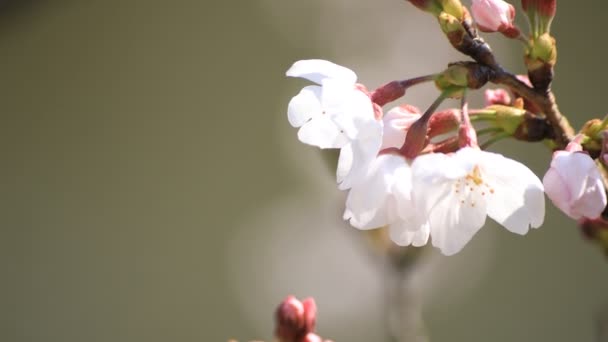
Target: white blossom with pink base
[[574, 184]]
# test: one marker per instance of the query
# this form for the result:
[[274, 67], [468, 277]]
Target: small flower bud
[[295, 319], [497, 97], [541, 12], [416, 139], [574, 184], [508, 118], [459, 76], [452, 27], [388, 93], [540, 59], [454, 8], [443, 122], [604, 153], [495, 16], [542, 50]]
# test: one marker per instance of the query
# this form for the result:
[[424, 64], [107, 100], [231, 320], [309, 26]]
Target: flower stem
[[417, 80], [496, 138]]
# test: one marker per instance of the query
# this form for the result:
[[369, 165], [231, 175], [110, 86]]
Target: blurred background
[[151, 188]]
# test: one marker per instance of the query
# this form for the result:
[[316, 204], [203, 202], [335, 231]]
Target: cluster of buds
[[295, 321]]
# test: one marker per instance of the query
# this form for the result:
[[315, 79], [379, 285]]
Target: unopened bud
[[295, 319], [453, 29], [540, 59], [508, 118], [495, 16], [541, 10], [443, 122], [604, 153], [542, 50], [467, 136], [388, 93], [459, 76], [454, 8], [497, 97], [416, 138], [592, 128]]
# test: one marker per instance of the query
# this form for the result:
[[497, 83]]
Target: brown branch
[[473, 46], [563, 131]]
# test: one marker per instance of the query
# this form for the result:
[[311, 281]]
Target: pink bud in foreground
[[494, 16], [295, 319], [574, 184], [497, 97]]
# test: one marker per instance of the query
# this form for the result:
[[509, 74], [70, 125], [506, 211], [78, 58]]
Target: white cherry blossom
[[383, 198], [456, 192], [574, 185], [335, 114]]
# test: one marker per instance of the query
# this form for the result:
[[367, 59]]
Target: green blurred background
[[151, 188]]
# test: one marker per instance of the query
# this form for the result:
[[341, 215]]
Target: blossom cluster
[[397, 178]]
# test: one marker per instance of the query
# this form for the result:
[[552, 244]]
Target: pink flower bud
[[295, 319], [443, 122], [497, 97], [494, 16], [574, 184], [388, 93]]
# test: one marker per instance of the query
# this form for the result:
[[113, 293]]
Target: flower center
[[471, 189]]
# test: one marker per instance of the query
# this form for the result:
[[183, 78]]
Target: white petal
[[518, 200], [305, 106], [322, 132], [351, 109], [406, 233], [345, 162], [370, 203], [453, 217], [558, 191], [453, 223], [396, 123], [363, 153], [316, 70]]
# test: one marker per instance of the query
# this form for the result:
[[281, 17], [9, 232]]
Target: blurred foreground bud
[[495, 16], [574, 183], [295, 319]]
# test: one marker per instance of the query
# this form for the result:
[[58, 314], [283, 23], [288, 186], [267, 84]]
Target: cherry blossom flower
[[493, 15], [456, 192], [336, 114], [383, 198], [574, 184]]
